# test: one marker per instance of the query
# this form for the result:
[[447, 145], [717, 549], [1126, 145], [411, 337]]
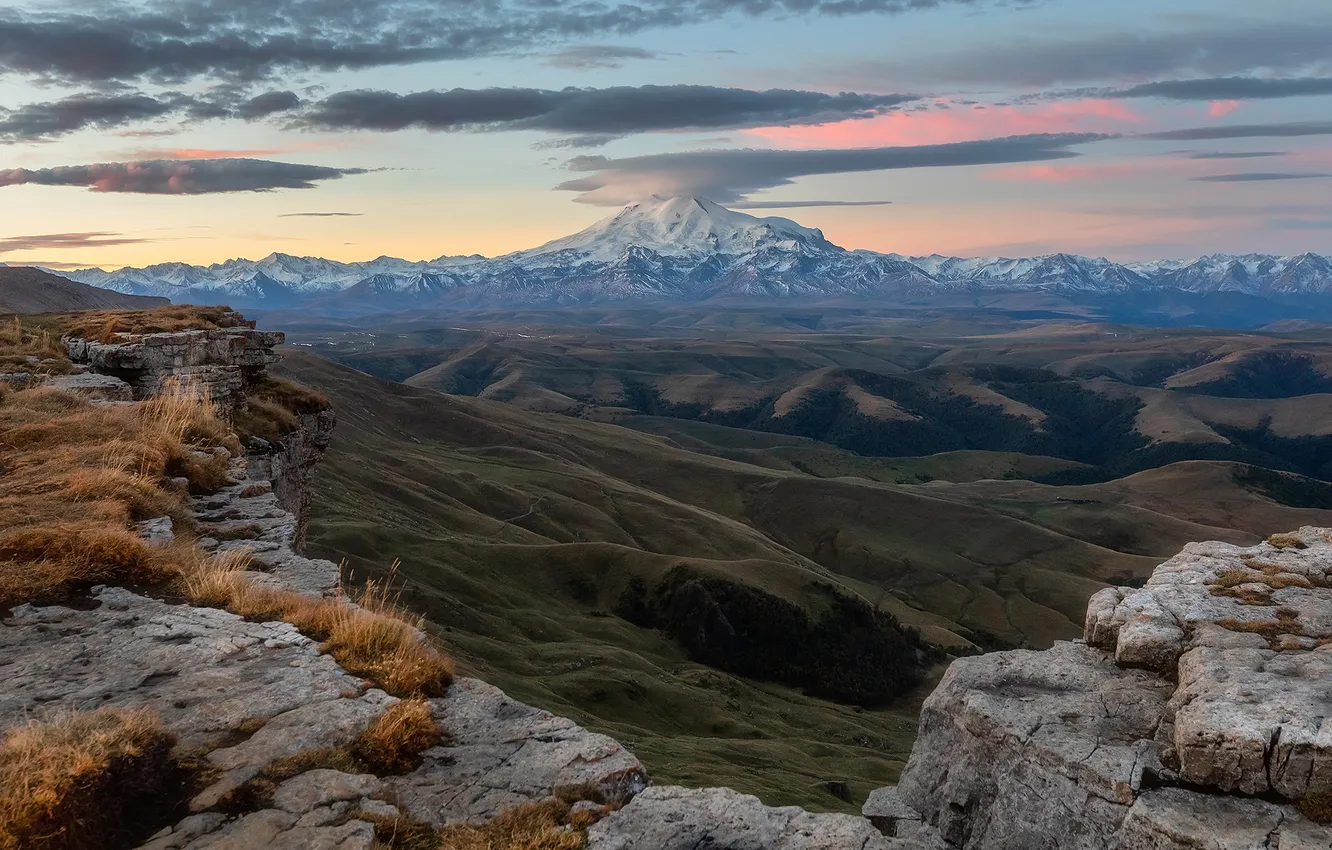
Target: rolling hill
[[31, 290], [528, 539]]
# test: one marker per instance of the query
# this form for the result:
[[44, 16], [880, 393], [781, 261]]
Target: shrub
[[87, 781]]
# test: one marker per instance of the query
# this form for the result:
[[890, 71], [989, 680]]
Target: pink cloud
[[1222, 108], [1065, 173], [958, 124]]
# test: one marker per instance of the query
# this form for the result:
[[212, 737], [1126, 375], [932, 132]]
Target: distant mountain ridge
[[28, 290], [686, 250]]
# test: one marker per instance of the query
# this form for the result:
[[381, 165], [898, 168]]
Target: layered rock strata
[[1196, 715], [223, 360]]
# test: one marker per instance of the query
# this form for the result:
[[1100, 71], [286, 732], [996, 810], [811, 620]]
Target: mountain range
[[690, 250]]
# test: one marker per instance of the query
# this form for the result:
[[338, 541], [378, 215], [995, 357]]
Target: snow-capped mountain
[[689, 250]]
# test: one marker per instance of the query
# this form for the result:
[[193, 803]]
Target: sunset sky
[[201, 130]]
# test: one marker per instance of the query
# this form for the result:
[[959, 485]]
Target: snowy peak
[[683, 227]]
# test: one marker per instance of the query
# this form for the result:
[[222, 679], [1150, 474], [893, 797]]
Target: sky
[[202, 130]]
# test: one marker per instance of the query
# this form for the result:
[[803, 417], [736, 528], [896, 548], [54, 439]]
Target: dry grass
[[1286, 541], [86, 781], [1317, 807], [372, 639], [274, 406], [257, 792], [532, 826], [74, 477], [1286, 623], [103, 325], [20, 342], [393, 744]]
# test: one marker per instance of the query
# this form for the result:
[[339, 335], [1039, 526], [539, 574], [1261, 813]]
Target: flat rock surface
[[503, 753], [671, 818]]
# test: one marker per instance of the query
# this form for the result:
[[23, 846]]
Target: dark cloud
[[100, 111], [1244, 131], [1214, 49], [103, 111], [790, 205], [1233, 154], [729, 175], [1261, 176], [94, 239], [266, 104], [593, 115], [1227, 88], [321, 215], [173, 40], [586, 57], [179, 177]]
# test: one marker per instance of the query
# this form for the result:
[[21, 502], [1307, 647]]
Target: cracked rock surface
[[1195, 715], [671, 818]]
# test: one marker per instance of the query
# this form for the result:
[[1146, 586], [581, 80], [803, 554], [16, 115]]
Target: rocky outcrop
[[1195, 715], [222, 361], [289, 463]]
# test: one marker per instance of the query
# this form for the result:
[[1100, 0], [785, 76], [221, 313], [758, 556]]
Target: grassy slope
[[517, 531]]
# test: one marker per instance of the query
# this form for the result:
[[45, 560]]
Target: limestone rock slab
[[671, 818]]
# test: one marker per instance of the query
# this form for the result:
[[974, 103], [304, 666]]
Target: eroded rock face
[[222, 360], [504, 753], [1193, 695]]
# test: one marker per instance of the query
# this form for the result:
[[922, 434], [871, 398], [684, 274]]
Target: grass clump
[[87, 781], [27, 348], [77, 476], [532, 826], [1287, 541], [372, 638], [257, 792], [1317, 807], [274, 407], [393, 744]]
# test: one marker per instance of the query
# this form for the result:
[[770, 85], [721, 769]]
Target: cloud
[[790, 205], [175, 40], [729, 175], [268, 103], [93, 239], [1227, 88], [321, 215], [586, 57], [172, 177], [1261, 176], [1233, 154], [101, 111], [1244, 131], [1213, 49], [592, 115]]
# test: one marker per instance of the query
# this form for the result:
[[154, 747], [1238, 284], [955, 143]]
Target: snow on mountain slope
[[679, 227], [691, 249]]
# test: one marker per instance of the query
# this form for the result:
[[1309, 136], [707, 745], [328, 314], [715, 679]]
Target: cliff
[[1194, 715]]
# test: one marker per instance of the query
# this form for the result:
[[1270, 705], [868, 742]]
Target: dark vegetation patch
[[1269, 374], [1295, 491], [853, 653], [1155, 371]]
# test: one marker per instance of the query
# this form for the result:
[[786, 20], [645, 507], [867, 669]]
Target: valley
[[540, 475]]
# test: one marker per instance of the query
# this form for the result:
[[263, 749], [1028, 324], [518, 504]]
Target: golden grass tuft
[[76, 476], [1287, 541], [393, 744], [20, 343], [1317, 807], [373, 639], [274, 407], [531, 826], [86, 781]]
